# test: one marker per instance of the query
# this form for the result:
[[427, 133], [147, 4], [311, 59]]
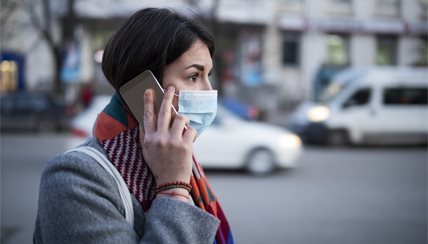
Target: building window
[[341, 7], [341, 2], [423, 47], [337, 49], [405, 96], [294, 6], [8, 76], [424, 8], [250, 58], [293, 2], [386, 50], [291, 49], [388, 8], [344, 1]]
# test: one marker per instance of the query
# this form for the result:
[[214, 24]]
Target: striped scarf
[[118, 132]]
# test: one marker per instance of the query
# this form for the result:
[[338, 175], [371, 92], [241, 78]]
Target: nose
[[207, 85]]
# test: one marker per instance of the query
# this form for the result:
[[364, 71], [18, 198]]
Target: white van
[[379, 105]]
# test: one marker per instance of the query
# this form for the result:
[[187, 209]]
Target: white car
[[229, 143]]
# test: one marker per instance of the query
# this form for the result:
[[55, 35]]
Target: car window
[[224, 116], [29, 102], [360, 98], [216, 121], [405, 96], [22, 103], [39, 102], [6, 103]]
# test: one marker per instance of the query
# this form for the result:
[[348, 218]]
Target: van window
[[332, 91], [359, 98], [405, 96], [338, 83]]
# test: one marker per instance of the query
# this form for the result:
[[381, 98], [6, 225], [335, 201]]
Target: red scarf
[[117, 130]]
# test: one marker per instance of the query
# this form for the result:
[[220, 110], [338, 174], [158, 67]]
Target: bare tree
[[8, 24], [42, 19], [44, 25]]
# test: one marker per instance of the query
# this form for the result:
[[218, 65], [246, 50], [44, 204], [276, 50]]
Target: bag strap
[[125, 195]]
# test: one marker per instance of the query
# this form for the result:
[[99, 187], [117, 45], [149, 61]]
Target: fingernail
[[147, 92], [171, 89]]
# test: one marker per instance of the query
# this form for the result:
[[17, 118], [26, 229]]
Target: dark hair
[[149, 40]]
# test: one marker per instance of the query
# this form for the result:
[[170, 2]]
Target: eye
[[194, 77]]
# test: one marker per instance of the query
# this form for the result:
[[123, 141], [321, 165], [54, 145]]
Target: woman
[[171, 199]]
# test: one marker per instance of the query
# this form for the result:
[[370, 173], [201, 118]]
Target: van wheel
[[260, 162], [337, 138]]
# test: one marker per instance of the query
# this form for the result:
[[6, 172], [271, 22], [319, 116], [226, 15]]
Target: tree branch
[[45, 31]]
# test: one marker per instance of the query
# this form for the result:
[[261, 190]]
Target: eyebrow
[[198, 66]]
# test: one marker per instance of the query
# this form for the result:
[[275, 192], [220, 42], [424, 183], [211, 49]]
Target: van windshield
[[341, 81], [332, 91]]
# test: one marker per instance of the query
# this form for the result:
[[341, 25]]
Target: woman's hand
[[167, 148]]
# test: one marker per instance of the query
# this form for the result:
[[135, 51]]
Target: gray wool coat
[[79, 203]]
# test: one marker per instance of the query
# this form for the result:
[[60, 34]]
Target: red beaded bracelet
[[172, 185], [173, 194]]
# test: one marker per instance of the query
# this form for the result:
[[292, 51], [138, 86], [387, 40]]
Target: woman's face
[[190, 71]]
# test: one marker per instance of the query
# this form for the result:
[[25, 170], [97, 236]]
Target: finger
[[179, 125], [142, 134], [189, 135], [149, 112], [164, 115]]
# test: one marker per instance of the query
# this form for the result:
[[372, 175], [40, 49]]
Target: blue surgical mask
[[199, 106]]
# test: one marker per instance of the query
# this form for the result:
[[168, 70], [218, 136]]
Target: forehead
[[198, 53]]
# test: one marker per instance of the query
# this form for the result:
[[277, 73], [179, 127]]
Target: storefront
[[12, 72]]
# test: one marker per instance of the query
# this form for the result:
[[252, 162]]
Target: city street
[[335, 196]]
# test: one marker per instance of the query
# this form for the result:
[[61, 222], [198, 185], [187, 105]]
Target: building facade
[[269, 53], [345, 33], [300, 39]]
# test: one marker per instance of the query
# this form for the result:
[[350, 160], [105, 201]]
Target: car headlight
[[318, 114], [290, 141]]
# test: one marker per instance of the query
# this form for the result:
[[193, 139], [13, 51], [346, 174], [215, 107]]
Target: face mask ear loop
[[172, 106], [175, 93]]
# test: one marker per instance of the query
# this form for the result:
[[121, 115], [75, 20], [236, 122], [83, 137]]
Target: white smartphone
[[133, 93]]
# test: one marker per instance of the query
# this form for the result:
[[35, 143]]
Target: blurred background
[[322, 130]]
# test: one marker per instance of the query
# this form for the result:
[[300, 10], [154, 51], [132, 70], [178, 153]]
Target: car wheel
[[337, 138], [46, 124], [260, 162]]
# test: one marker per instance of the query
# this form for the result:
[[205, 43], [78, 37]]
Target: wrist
[[173, 185], [176, 193], [166, 180], [179, 190]]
